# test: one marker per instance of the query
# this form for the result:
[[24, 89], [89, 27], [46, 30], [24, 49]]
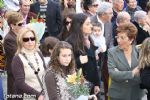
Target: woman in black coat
[[84, 49], [144, 64]]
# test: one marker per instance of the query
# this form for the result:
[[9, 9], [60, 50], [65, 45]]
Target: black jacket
[[141, 34], [90, 70], [145, 80]]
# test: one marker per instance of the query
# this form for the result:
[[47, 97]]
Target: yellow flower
[[72, 78]]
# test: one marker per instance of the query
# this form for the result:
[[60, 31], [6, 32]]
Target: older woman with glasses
[[14, 21], [122, 66], [28, 66], [90, 7]]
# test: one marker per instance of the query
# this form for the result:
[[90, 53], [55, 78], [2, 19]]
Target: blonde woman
[[28, 66], [144, 64]]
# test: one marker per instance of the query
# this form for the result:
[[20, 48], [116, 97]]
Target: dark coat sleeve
[[10, 45], [35, 8], [53, 18], [19, 76], [59, 18], [90, 70], [51, 87], [145, 77]]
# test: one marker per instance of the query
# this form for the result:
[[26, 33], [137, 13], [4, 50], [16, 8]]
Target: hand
[[100, 50], [41, 97], [66, 3], [93, 97], [135, 71], [97, 57], [96, 90], [83, 59]]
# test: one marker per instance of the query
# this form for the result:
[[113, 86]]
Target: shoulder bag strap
[[35, 72], [42, 59]]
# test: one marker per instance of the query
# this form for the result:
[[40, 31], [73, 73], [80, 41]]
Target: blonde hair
[[20, 35], [144, 56]]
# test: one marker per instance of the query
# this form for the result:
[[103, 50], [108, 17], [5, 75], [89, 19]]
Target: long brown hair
[[55, 64], [144, 57], [76, 33]]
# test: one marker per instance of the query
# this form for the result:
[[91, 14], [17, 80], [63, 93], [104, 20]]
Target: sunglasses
[[28, 39], [68, 22], [19, 24]]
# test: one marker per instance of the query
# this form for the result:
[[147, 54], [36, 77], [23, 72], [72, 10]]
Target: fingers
[[83, 59], [93, 97]]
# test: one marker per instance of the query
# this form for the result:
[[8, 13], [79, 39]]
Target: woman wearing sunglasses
[[66, 27], [14, 20], [90, 7], [28, 66]]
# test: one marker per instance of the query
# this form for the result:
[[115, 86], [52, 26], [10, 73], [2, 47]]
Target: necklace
[[31, 64]]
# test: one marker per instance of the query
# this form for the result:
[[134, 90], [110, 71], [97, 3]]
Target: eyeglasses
[[19, 24], [68, 22], [27, 39], [95, 5]]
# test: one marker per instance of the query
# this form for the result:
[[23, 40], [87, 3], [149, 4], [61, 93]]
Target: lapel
[[135, 52], [121, 58]]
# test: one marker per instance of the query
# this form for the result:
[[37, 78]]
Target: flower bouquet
[[38, 25], [77, 85]]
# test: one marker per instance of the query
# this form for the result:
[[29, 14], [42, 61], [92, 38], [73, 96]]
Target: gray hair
[[139, 15], [122, 16], [103, 7]]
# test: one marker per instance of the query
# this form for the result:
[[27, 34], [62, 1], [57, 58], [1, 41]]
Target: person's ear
[[131, 41], [12, 26]]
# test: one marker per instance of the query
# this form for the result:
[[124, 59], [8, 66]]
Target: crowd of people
[[108, 39]]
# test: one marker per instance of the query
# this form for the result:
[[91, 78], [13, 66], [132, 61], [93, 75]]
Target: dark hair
[[49, 43], [87, 3], [55, 64], [65, 33], [128, 28], [97, 24], [76, 33]]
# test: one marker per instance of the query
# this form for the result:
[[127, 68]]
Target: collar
[[28, 52], [99, 20]]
